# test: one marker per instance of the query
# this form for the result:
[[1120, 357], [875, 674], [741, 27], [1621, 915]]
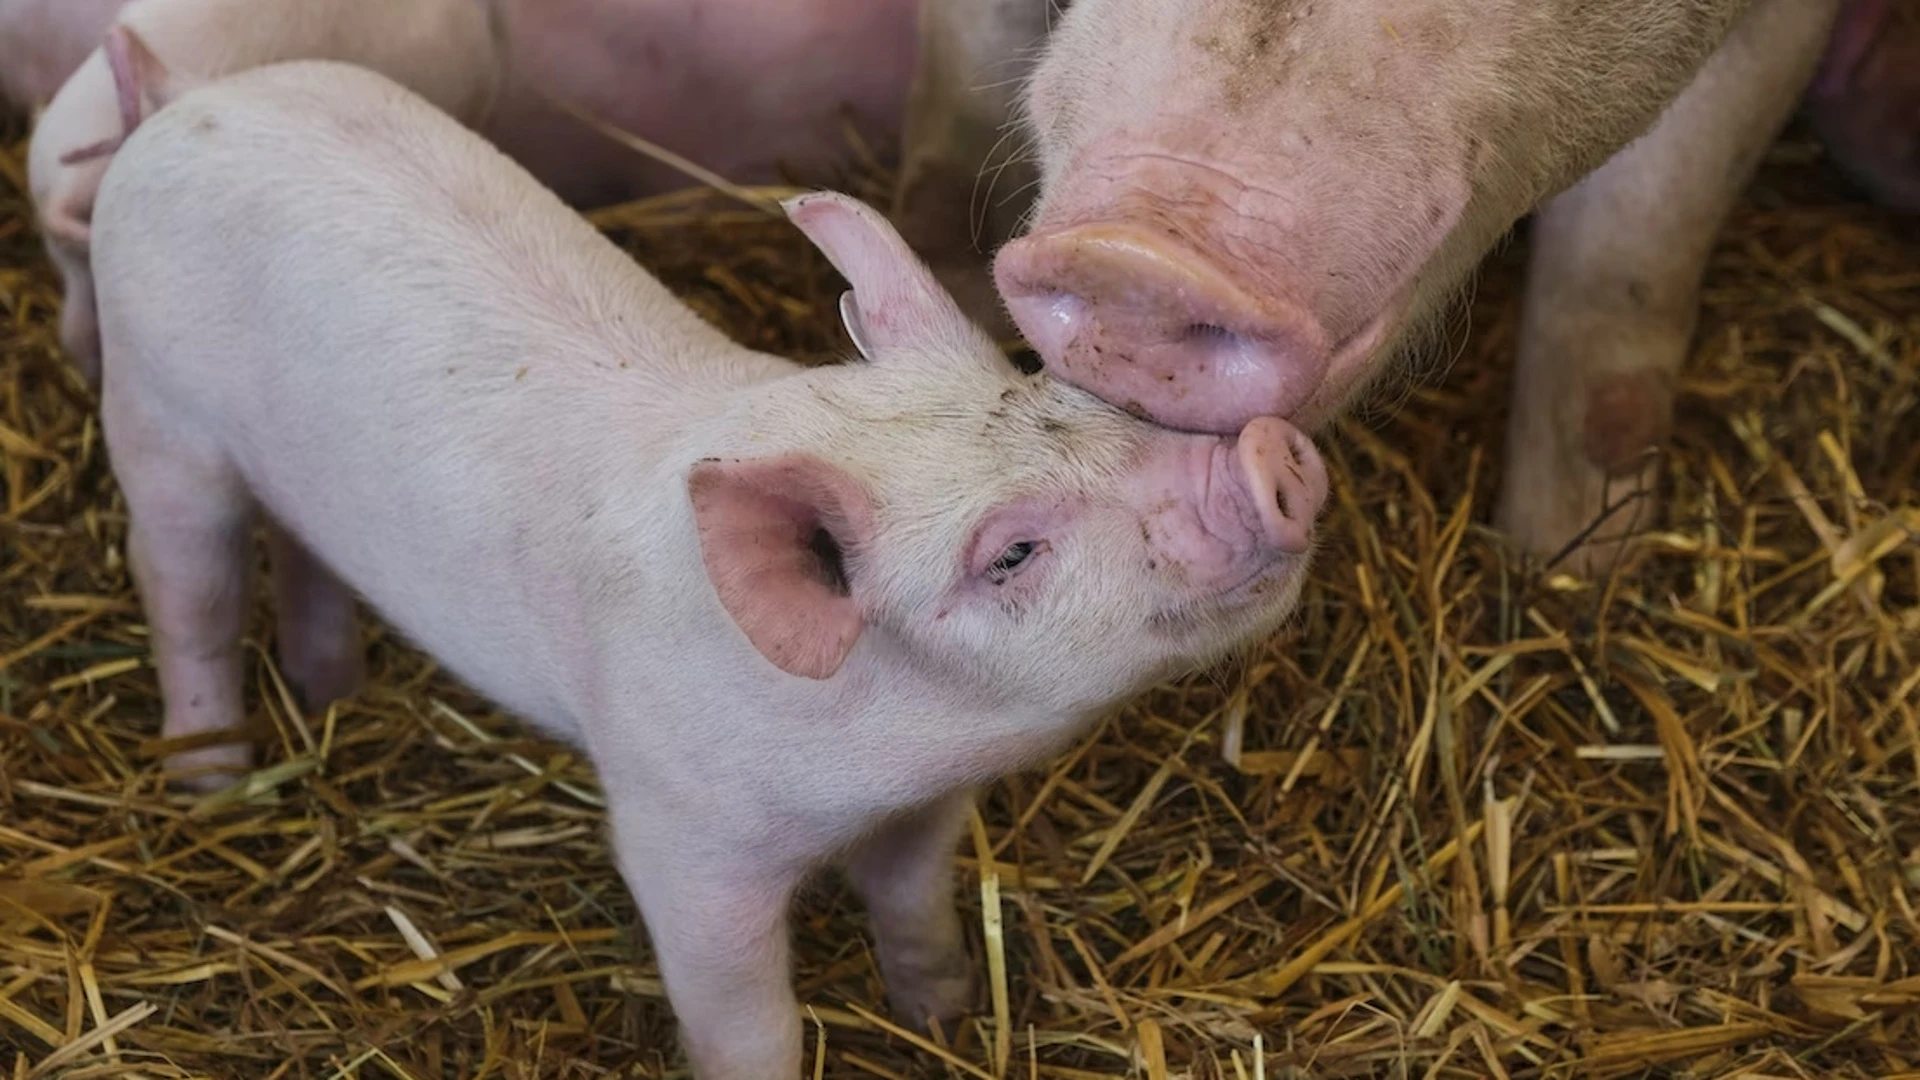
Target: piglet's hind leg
[[187, 543], [321, 654]]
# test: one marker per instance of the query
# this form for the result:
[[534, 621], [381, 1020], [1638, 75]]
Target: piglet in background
[[792, 614], [453, 52]]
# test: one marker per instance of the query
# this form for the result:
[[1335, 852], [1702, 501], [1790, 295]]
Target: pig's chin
[[1256, 604]]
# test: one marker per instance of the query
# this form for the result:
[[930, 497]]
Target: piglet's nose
[[1287, 481], [1156, 328]]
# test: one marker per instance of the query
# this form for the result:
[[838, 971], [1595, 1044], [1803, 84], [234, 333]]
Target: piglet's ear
[[141, 81], [141, 85], [898, 302], [774, 534]]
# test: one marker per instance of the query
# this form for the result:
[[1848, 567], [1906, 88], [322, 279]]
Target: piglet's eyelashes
[[1012, 559]]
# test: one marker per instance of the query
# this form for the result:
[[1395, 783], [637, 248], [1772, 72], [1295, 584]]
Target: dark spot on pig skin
[[1628, 415], [1137, 411], [1026, 361], [1637, 292]]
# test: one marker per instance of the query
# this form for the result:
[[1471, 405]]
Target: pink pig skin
[[42, 43], [793, 615], [746, 88], [451, 51], [742, 87]]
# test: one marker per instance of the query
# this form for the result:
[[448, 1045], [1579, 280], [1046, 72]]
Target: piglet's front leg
[[904, 874], [716, 912]]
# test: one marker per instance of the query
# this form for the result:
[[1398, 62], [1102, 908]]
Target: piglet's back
[[407, 349], [322, 170]]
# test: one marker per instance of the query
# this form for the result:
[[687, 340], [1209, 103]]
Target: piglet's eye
[[1011, 560]]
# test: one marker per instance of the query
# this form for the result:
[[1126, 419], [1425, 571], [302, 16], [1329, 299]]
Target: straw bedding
[[1469, 817]]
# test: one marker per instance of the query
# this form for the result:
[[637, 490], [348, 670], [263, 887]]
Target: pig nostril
[[1280, 500]]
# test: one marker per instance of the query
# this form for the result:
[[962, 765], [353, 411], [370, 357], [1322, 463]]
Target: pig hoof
[[319, 682], [1578, 504], [209, 769], [1572, 532], [921, 1000]]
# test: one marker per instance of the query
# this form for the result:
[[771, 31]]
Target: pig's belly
[[741, 87]]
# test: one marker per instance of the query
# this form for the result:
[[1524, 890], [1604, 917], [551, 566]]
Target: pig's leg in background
[[79, 318], [904, 875], [1613, 291], [966, 175], [716, 914], [321, 654], [187, 543], [1865, 102]]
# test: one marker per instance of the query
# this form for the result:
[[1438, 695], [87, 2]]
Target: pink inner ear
[[769, 531], [900, 301]]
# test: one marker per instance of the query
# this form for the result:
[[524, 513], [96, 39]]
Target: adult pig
[[1248, 207], [453, 52], [790, 613], [745, 88], [740, 87]]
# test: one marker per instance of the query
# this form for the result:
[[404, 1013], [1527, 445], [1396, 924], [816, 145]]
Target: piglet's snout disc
[[1287, 481]]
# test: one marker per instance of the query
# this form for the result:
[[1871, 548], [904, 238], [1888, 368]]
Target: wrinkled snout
[[1286, 482], [1158, 329], [1223, 514]]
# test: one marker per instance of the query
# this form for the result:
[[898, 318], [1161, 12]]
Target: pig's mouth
[[1203, 292], [1160, 330], [1264, 590]]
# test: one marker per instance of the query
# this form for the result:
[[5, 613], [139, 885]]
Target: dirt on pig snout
[[1466, 818]]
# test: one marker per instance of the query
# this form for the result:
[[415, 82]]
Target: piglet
[[793, 615], [451, 51]]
